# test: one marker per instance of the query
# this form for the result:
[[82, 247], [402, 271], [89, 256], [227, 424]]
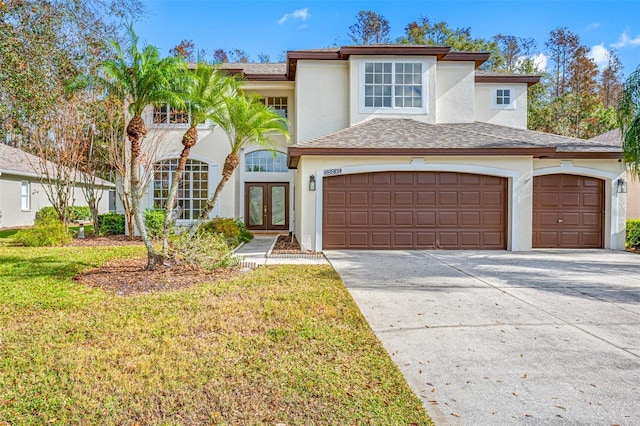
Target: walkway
[[256, 251]]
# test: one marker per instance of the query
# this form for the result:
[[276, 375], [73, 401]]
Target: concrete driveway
[[493, 338]]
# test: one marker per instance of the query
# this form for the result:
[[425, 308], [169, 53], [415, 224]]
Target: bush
[[233, 231], [633, 233], [51, 234], [111, 224], [154, 222], [205, 250], [48, 215]]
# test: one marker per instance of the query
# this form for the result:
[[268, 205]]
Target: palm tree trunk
[[136, 130], [230, 164], [188, 141]]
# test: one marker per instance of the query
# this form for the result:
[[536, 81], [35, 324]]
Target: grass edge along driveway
[[279, 344]]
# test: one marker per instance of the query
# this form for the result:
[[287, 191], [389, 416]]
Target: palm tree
[[628, 112], [204, 98], [246, 120], [141, 77]]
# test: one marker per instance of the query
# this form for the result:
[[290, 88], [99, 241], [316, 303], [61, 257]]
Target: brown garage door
[[397, 210], [568, 211]]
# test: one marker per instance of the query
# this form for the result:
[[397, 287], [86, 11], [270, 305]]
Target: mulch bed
[[288, 245], [128, 276]]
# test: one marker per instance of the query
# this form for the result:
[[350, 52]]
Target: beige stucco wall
[[213, 147], [519, 170], [455, 92], [633, 197], [486, 113], [11, 200], [321, 96], [356, 115]]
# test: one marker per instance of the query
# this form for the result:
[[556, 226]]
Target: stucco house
[[396, 146], [22, 194]]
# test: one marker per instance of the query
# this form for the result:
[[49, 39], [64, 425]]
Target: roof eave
[[530, 80]]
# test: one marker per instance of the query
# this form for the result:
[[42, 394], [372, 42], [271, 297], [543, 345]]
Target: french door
[[267, 205]]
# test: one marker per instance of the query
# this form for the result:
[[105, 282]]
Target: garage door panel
[[358, 219], [568, 211], [414, 210], [381, 218], [402, 218], [381, 198]]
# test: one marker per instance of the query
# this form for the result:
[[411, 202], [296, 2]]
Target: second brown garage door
[[397, 210], [568, 211]]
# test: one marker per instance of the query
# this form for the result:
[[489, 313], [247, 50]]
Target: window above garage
[[393, 87], [503, 98]]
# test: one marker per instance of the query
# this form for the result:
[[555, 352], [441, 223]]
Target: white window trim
[[393, 110], [25, 198], [512, 98], [151, 114]]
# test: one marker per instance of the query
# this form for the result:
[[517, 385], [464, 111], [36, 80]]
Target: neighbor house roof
[[14, 161], [387, 136]]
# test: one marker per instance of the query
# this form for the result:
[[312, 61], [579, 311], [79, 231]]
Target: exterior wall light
[[312, 183], [621, 186]]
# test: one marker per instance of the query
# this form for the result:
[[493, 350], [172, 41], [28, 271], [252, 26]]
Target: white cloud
[[600, 55], [594, 25], [540, 62], [296, 14], [625, 40]]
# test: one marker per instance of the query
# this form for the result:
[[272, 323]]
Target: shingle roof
[[389, 136], [612, 137], [14, 161], [260, 68]]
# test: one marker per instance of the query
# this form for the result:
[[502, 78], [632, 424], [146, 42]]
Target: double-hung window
[[393, 86]]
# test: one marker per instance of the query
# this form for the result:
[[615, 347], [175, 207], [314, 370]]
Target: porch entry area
[[267, 206]]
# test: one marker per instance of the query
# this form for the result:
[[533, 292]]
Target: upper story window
[[393, 85], [165, 114], [278, 104], [503, 99], [266, 161]]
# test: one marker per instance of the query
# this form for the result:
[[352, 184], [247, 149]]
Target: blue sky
[[273, 27]]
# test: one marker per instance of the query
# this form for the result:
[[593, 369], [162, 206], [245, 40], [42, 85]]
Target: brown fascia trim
[[344, 52], [295, 152], [587, 155], [529, 79], [478, 57]]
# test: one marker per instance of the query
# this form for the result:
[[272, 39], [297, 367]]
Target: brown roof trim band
[[529, 79], [478, 57], [295, 152]]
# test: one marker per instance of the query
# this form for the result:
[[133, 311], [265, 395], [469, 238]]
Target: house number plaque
[[332, 172]]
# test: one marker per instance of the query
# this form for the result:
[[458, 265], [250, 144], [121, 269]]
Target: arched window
[[193, 190], [266, 161]]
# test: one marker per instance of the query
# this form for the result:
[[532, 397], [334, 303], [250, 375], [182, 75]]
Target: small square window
[[503, 99]]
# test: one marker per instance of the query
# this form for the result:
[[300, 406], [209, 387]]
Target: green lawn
[[277, 345]]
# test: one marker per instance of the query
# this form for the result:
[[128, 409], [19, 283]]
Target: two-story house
[[396, 146]]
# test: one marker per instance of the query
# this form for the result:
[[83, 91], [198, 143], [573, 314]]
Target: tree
[[245, 120], [46, 43], [142, 78], [186, 49], [204, 98], [628, 114], [516, 53], [611, 80], [561, 47], [370, 28], [459, 39]]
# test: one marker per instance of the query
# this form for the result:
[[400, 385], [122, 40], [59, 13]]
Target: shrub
[[205, 250], [50, 234], [633, 233], [154, 222], [233, 231], [48, 215], [111, 224]]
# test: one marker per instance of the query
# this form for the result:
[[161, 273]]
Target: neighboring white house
[[401, 146], [22, 194]]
